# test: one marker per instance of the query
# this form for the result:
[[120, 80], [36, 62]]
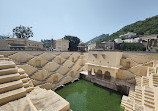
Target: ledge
[[104, 66]]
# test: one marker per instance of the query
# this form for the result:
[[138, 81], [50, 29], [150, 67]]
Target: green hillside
[[145, 27], [98, 38]]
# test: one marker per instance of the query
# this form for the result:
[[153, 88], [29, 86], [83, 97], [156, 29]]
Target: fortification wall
[[49, 70]]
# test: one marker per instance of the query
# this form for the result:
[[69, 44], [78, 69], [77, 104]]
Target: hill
[[145, 27], [98, 38]]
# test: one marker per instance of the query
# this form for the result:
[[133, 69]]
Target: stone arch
[[107, 75], [99, 73]]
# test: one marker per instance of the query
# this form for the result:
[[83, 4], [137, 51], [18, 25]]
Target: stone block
[[21, 57], [41, 75], [51, 66], [54, 78], [28, 69], [37, 62]]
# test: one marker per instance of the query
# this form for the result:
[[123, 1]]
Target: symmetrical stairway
[[27, 84], [11, 87], [16, 92], [145, 95]]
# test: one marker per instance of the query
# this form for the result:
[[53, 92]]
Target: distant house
[[150, 42], [133, 40], [20, 44], [101, 46], [96, 46], [128, 35], [62, 45], [109, 45], [118, 41]]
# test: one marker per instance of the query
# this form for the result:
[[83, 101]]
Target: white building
[[134, 40], [118, 41], [129, 35]]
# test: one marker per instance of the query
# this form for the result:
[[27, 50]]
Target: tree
[[22, 32], [73, 42]]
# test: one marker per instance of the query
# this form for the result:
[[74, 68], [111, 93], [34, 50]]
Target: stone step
[[24, 80], [149, 105], [22, 104], [149, 94], [149, 101], [138, 96], [156, 80], [1, 56], [7, 64], [149, 91], [21, 71], [4, 59], [8, 71], [9, 78], [27, 84], [138, 99], [129, 104], [54, 101], [149, 97], [29, 89], [155, 75], [23, 76], [10, 86], [129, 108], [12, 95]]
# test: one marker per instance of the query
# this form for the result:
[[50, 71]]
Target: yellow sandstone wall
[[52, 69], [49, 70], [135, 64]]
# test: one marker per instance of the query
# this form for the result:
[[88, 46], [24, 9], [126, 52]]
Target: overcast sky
[[82, 18]]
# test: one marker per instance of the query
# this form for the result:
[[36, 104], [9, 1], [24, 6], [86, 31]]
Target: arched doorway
[[99, 74], [107, 75]]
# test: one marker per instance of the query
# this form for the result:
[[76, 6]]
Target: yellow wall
[[49, 69]]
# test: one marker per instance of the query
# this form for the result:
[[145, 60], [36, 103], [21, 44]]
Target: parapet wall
[[49, 70]]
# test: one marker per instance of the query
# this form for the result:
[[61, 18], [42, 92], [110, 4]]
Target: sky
[[85, 19]]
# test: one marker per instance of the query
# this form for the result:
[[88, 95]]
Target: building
[[109, 45], [118, 41], [62, 45], [150, 42], [101, 46], [129, 35], [96, 46], [20, 44], [81, 47], [104, 65], [132, 40]]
